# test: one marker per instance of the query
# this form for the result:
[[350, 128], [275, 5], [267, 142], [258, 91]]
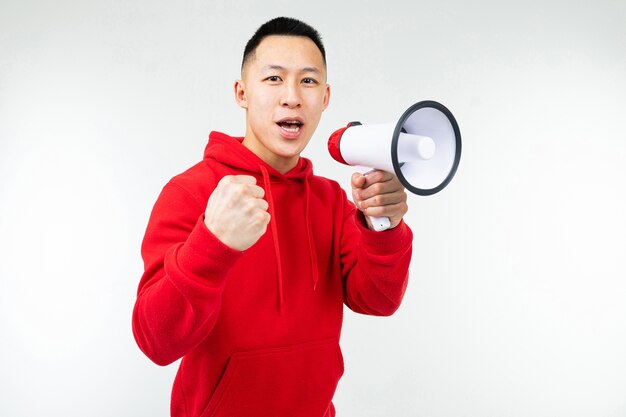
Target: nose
[[291, 96]]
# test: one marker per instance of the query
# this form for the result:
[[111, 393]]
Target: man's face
[[284, 92]]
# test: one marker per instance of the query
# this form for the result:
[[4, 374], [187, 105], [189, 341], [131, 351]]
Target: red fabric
[[254, 342]]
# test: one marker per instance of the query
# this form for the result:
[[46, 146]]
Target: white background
[[517, 298]]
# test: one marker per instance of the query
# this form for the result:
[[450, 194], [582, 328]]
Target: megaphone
[[423, 149]]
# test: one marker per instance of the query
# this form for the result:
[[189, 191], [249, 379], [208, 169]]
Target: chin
[[289, 153], [291, 146]]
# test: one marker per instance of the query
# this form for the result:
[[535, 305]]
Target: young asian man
[[250, 257]]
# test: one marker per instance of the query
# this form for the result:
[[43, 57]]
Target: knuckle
[[227, 178], [249, 206], [259, 216], [240, 190]]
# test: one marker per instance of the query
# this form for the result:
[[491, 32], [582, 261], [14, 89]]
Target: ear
[[326, 97], [240, 94]]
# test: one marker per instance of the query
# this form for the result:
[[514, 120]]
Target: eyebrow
[[281, 68]]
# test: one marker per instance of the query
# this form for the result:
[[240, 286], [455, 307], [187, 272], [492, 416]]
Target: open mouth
[[291, 126]]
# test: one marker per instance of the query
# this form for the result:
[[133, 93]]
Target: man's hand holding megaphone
[[421, 151], [379, 194]]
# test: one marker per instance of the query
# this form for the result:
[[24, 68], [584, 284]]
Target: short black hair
[[285, 26]]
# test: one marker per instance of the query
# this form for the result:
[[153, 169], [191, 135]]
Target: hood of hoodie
[[229, 150]]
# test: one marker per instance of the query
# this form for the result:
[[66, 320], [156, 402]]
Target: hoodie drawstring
[[279, 267], [309, 232], [274, 229]]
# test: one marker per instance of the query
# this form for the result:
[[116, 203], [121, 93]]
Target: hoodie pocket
[[287, 381]]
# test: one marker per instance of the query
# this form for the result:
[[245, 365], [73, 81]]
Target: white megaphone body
[[423, 149]]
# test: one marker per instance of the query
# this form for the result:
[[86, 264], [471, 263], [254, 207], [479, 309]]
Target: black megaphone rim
[[394, 147]]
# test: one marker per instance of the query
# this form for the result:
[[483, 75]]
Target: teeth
[[291, 126], [292, 129]]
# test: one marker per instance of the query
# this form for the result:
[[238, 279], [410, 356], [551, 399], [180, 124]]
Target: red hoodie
[[259, 330]]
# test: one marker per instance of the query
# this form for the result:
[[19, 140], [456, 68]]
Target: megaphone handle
[[378, 223]]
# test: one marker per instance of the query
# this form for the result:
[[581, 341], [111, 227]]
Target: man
[[249, 257]]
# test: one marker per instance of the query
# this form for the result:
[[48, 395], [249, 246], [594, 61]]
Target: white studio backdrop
[[517, 299]]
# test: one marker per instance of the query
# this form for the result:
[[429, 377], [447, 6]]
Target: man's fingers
[[358, 180], [380, 194], [387, 187], [370, 179], [263, 205], [236, 212], [384, 199], [245, 184], [377, 176], [393, 211], [256, 191], [242, 179], [363, 181]]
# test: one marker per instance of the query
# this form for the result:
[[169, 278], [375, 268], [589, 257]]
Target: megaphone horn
[[423, 149]]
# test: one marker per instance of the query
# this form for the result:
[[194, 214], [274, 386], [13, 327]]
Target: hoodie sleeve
[[179, 295], [374, 264]]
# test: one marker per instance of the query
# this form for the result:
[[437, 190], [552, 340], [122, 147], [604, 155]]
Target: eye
[[273, 78], [309, 80]]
